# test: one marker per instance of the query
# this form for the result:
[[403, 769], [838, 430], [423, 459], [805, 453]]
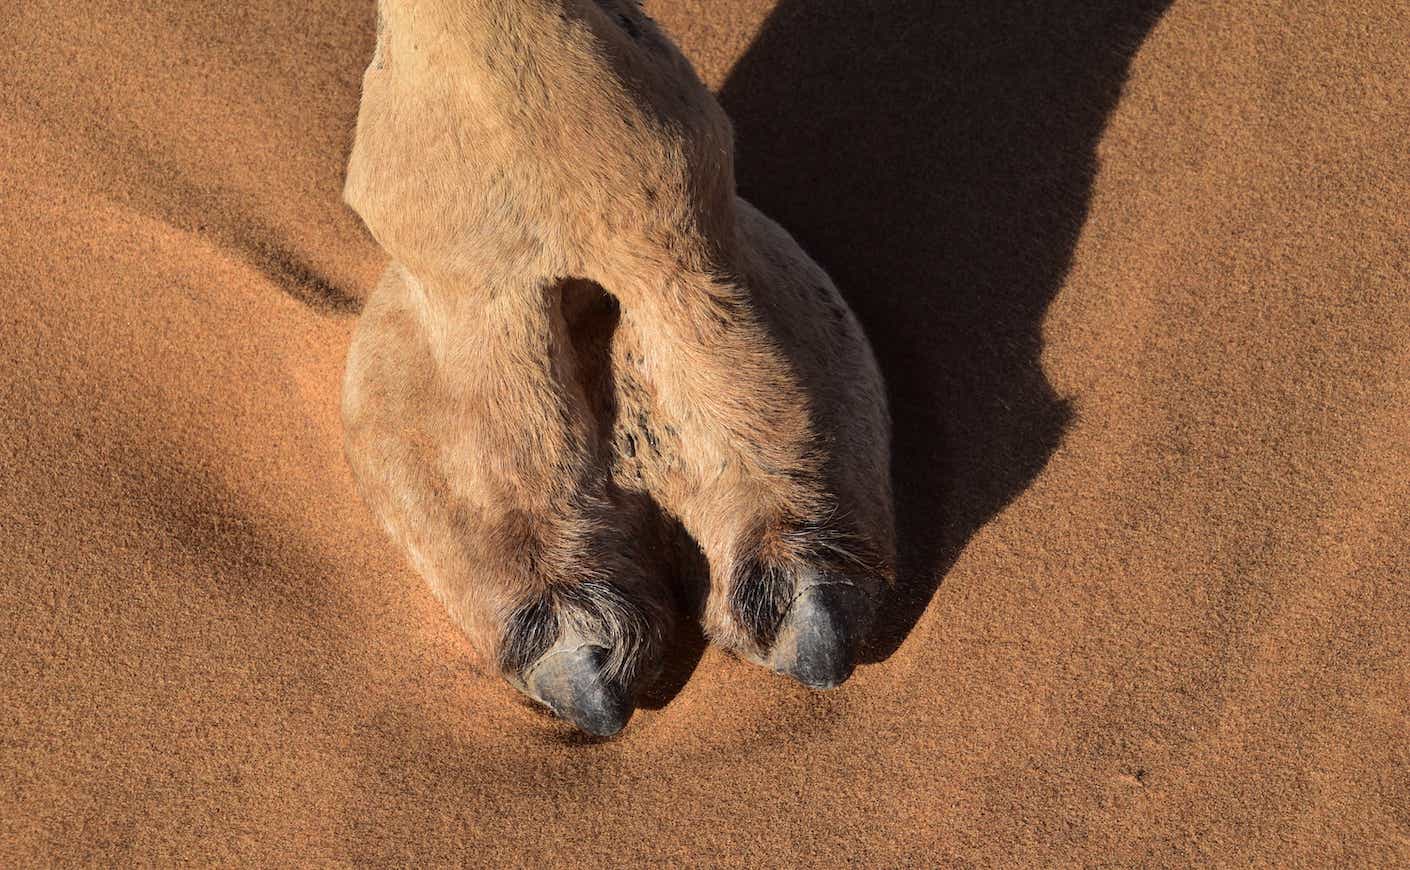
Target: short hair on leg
[[595, 610]]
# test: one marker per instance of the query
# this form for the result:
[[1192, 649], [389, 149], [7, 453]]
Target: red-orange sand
[[1137, 276]]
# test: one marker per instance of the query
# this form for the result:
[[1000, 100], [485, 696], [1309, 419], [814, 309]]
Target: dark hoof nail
[[817, 639], [572, 685]]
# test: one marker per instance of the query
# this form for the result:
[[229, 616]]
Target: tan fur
[[518, 431]]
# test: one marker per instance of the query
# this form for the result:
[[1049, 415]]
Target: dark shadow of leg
[[937, 159]]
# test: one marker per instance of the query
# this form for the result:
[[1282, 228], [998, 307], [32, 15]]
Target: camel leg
[[506, 148]]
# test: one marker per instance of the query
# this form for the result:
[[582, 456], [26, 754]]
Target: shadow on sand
[[937, 158]]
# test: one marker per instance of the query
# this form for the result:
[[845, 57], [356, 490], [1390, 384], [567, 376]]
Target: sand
[[1138, 278]]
